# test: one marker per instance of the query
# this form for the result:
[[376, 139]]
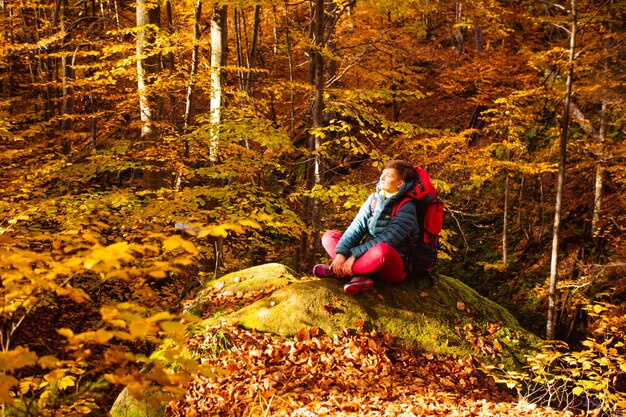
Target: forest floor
[[357, 373], [348, 375]]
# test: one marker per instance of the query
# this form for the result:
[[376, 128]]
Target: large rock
[[450, 318], [126, 405]]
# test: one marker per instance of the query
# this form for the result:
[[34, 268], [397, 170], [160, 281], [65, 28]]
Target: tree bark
[[147, 14], [478, 37], [458, 35], [169, 57], [239, 49], [318, 107], [148, 66], [308, 242], [253, 48], [67, 106], [551, 321], [194, 67], [505, 217], [292, 100], [597, 200], [218, 58]]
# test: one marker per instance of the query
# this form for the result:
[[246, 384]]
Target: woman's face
[[390, 180]]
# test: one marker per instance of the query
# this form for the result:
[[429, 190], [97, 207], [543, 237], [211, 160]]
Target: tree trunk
[[254, 48], [597, 200], [318, 107], [169, 58], [148, 66], [505, 217], [239, 49], [194, 67], [309, 242], [551, 322], [67, 106], [147, 14], [292, 100], [478, 37], [218, 58], [458, 32]]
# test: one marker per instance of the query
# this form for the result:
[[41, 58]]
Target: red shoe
[[357, 284], [323, 271]]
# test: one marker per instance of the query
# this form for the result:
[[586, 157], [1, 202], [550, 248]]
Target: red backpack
[[430, 217]]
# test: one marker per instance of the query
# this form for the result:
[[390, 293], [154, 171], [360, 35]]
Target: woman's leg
[[382, 259], [329, 242]]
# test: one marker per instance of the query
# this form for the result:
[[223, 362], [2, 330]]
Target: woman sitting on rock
[[375, 244]]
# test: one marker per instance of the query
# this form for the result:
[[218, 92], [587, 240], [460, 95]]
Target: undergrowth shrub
[[591, 378]]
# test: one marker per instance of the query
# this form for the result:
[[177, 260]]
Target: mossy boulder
[[450, 318], [126, 405]]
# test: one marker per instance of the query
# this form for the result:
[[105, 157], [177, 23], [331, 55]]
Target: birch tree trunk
[[551, 321], [147, 14], [67, 106], [597, 200], [148, 66], [458, 35], [218, 58], [292, 101]]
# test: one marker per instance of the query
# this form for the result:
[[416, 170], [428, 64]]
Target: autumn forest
[[150, 146]]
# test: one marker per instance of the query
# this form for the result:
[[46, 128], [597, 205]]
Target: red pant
[[382, 259]]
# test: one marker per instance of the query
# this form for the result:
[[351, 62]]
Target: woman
[[375, 242]]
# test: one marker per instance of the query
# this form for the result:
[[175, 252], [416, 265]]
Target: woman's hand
[[347, 266], [337, 265]]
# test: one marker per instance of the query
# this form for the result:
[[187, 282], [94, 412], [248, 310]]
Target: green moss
[[251, 279]]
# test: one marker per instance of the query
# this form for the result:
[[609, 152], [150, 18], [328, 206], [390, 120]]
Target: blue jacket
[[373, 225]]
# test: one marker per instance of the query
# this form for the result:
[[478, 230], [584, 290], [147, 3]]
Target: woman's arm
[[399, 228], [356, 231]]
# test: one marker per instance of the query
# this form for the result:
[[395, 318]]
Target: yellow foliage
[[141, 328], [16, 358], [175, 242], [6, 383], [158, 274], [108, 257], [250, 223], [66, 382], [68, 333], [76, 294], [174, 329], [218, 231], [48, 361], [55, 375]]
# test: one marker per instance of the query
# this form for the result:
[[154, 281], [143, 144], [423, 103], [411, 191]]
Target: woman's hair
[[404, 168]]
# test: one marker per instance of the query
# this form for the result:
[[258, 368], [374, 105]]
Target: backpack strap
[[396, 207], [425, 200]]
